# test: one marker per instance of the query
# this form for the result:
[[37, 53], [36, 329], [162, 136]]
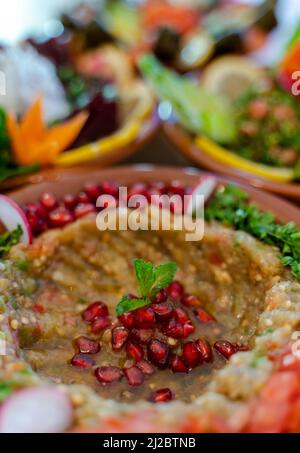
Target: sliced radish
[[44, 409], [206, 188], [11, 215]]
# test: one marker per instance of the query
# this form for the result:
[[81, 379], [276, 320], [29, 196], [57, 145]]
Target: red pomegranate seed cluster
[[51, 212], [153, 337]]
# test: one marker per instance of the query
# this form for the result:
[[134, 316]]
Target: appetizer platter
[[122, 331], [72, 99], [238, 118], [186, 34]]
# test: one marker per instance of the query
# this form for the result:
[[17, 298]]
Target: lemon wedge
[[231, 75], [231, 159]]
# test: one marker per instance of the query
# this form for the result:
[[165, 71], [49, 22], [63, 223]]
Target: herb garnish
[[151, 279], [231, 207], [8, 239]]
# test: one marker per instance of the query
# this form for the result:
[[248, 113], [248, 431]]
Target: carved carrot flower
[[33, 142]]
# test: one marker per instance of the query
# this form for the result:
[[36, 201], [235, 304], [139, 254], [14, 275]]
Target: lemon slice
[[231, 76], [229, 158]]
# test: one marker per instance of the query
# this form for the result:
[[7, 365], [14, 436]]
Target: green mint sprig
[[151, 279]]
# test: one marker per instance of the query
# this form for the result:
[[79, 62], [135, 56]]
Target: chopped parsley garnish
[[231, 207], [151, 279], [8, 239]]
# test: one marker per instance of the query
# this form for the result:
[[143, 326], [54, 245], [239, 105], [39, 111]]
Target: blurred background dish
[[186, 35], [69, 96], [89, 25], [237, 113]]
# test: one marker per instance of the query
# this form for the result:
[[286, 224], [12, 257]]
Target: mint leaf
[[163, 275], [145, 276], [150, 280], [127, 304]]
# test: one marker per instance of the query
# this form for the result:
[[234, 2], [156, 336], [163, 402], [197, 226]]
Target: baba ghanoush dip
[[204, 347]]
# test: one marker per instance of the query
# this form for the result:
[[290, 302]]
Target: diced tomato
[[268, 417], [293, 423], [282, 387]]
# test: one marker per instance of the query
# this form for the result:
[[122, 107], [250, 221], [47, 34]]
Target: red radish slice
[[11, 215], [205, 188], [44, 409]]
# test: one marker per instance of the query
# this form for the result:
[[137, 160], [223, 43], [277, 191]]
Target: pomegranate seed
[[82, 361], [70, 202], [175, 290], [146, 367], [191, 355], [177, 365], [181, 315], [82, 210], [162, 296], [163, 311], [144, 317], [108, 374], [119, 337], [93, 191], [203, 316], [158, 353], [137, 189], [176, 188], [205, 350], [188, 329], [240, 347], [161, 396], [100, 324], [127, 319], [110, 188], [83, 198], [225, 348], [37, 209], [141, 336], [135, 351], [60, 217], [87, 346], [48, 201], [37, 224], [95, 310], [134, 376], [159, 187], [190, 301], [173, 329]]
